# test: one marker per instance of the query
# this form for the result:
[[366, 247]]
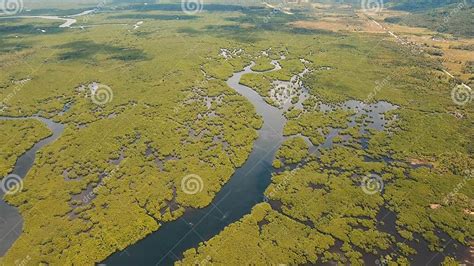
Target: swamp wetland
[[149, 134]]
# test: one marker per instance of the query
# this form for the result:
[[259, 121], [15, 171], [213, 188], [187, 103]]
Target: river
[[68, 20], [11, 222], [243, 191], [247, 185]]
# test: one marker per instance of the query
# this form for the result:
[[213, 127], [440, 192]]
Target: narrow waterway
[[11, 222], [236, 199], [68, 20], [246, 187]]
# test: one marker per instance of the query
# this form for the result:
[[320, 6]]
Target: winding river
[[236, 199], [11, 222], [246, 187], [243, 191], [68, 20]]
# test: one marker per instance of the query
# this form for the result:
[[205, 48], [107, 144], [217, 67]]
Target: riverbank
[[12, 225]]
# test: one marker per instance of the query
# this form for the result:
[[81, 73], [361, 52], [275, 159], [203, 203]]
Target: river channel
[[11, 222], [243, 191]]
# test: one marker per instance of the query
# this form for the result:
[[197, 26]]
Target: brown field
[[453, 59], [336, 22], [343, 19]]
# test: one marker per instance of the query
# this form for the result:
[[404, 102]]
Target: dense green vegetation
[[328, 207], [165, 120], [172, 115], [263, 83], [263, 237], [18, 137], [316, 125], [292, 151], [263, 64], [325, 203], [323, 199]]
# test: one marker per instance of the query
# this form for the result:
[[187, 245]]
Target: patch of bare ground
[[449, 50], [340, 24]]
